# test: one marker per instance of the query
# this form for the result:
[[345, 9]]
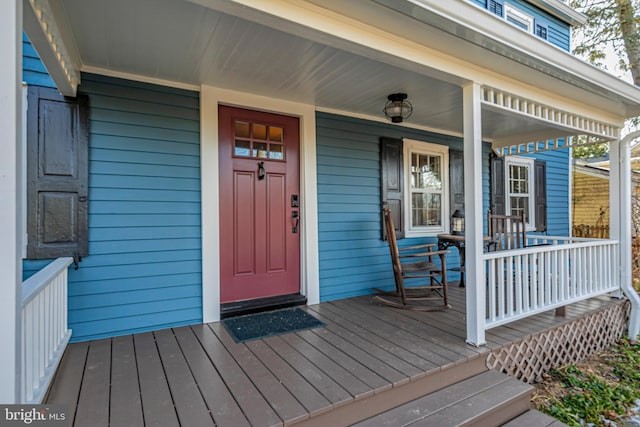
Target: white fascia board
[[48, 30], [485, 29], [561, 11]]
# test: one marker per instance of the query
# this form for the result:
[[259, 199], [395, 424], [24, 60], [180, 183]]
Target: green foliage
[[594, 151], [591, 395]]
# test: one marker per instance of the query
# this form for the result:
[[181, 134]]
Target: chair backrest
[[506, 231], [393, 244]]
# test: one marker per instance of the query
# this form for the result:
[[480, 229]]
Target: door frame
[[210, 98]]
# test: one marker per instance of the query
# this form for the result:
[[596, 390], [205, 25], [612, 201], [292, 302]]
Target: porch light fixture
[[397, 108], [457, 223]]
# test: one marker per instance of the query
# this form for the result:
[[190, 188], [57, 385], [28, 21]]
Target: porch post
[[620, 222], [473, 213], [10, 230]]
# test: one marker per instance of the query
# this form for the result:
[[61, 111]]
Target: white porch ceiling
[[188, 44]]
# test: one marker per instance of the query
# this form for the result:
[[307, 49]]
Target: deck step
[[533, 418], [488, 399]]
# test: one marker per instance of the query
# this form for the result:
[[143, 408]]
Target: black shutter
[[456, 180], [540, 188], [392, 188], [57, 174], [496, 7], [498, 188], [541, 28]]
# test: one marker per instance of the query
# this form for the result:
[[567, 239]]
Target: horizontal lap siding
[[143, 271], [353, 258], [557, 191], [33, 71]]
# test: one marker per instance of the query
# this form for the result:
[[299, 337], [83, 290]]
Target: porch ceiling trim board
[[10, 189], [210, 98], [49, 33], [536, 121]]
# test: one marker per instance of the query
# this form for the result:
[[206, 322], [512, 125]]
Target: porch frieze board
[[560, 128], [48, 32]]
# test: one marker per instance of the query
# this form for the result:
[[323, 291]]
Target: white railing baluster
[[559, 271], [44, 328]]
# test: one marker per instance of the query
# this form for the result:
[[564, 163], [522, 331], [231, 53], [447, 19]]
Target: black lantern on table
[[457, 223]]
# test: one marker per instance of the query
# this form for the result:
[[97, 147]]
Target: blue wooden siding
[[558, 32], [557, 191], [143, 271], [353, 257], [33, 71]]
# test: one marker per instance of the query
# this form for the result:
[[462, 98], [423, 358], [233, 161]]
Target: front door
[[259, 204]]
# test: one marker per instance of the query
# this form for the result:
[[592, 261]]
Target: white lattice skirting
[[572, 342]]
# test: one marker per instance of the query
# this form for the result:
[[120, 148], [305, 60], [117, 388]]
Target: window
[[520, 188], [426, 175], [518, 18], [519, 184]]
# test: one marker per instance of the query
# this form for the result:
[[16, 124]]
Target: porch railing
[[44, 328], [555, 272]]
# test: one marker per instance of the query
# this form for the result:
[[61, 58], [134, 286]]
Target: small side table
[[445, 241]]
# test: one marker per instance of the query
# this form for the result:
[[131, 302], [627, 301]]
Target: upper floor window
[[518, 18]]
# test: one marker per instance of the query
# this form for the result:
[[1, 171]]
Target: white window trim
[[421, 147], [520, 16], [530, 164]]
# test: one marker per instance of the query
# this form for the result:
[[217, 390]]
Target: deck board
[[214, 391], [280, 399], [366, 357], [157, 402], [190, 406], [125, 404], [253, 405], [93, 403]]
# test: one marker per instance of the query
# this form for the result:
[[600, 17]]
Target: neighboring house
[[214, 156]]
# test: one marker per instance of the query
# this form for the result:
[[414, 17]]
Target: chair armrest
[[424, 254], [409, 248]]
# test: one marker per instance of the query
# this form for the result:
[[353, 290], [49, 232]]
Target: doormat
[[269, 324]]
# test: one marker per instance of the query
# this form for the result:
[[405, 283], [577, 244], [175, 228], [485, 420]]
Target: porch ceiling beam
[[48, 30]]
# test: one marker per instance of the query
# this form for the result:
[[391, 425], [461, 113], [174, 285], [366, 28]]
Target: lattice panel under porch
[[572, 342]]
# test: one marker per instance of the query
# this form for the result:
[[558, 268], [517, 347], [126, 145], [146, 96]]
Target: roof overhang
[[561, 10], [338, 56]]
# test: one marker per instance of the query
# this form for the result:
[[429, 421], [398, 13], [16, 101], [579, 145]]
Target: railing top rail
[[42, 278], [549, 248]]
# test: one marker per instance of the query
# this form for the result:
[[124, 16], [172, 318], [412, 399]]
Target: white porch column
[[620, 220], [476, 292], [10, 230]]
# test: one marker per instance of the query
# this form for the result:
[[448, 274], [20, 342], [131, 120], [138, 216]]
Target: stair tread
[[534, 418], [456, 404]]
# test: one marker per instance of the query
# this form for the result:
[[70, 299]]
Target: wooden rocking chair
[[506, 232], [431, 277]]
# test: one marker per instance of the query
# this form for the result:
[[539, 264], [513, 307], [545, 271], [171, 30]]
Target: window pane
[[276, 151], [259, 131], [426, 209], [242, 129], [275, 134], [426, 172], [520, 205], [518, 179], [242, 149], [260, 150]]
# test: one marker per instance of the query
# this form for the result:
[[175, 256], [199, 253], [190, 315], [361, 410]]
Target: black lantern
[[457, 223], [397, 109]]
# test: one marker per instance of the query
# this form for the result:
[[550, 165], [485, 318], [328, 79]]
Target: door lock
[[296, 216]]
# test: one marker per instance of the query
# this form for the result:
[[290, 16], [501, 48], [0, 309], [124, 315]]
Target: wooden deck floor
[[368, 357]]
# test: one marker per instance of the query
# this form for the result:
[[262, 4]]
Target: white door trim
[[210, 98]]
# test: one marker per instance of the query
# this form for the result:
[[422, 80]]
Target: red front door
[[259, 199]]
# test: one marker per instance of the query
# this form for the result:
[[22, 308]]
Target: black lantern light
[[397, 108], [457, 223]]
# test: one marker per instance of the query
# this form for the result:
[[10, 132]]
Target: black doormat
[[268, 324]]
